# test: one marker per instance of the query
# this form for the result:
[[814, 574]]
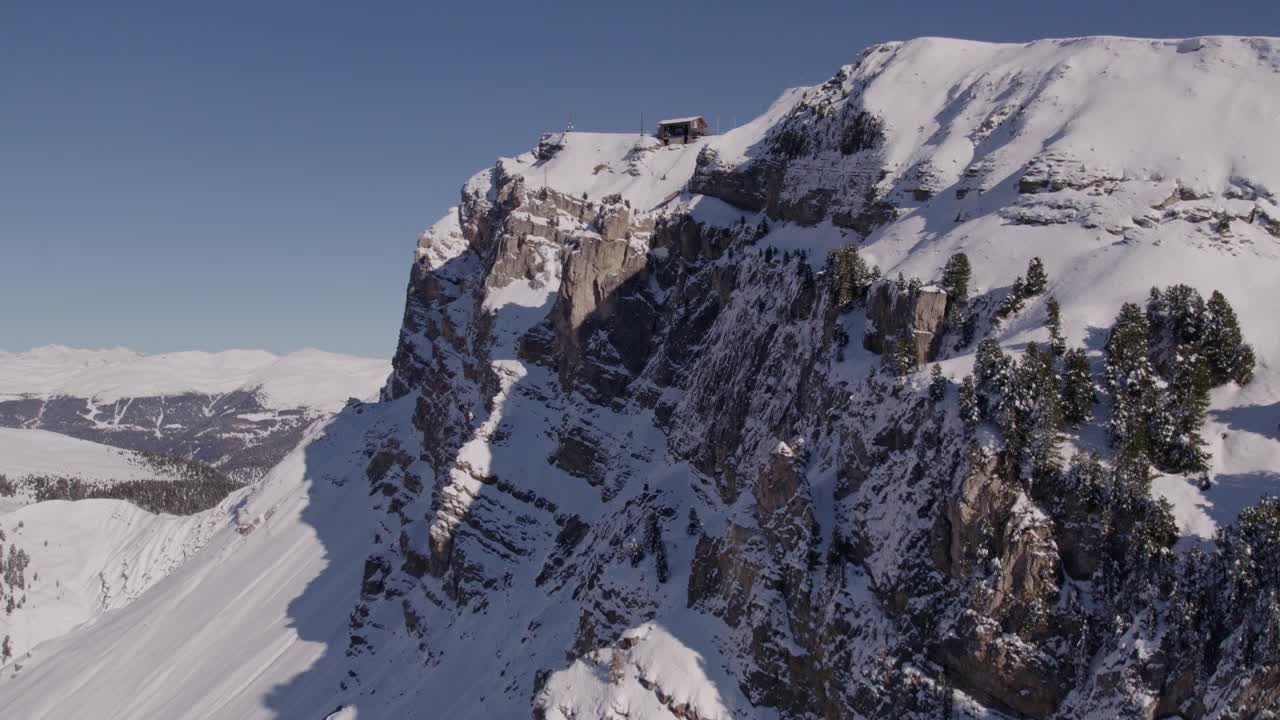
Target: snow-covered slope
[[85, 557], [88, 557], [625, 466], [257, 606]]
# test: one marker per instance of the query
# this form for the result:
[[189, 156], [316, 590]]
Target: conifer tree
[[956, 275], [1229, 356], [694, 527], [937, 384], [968, 397], [1131, 477], [1185, 314], [1086, 479], [1157, 311], [993, 373], [1078, 396], [1130, 379], [1038, 424], [1057, 343], [653, 538], [904, 355], [1037, 278], [1175, 430], [1012, 302], [850, 276]]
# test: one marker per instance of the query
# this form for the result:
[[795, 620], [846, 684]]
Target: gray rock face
[[548, 145], [892, 313], [592, 274], [987, 654], [1011, 676], [747, 188], [814, 165], [780, 480]]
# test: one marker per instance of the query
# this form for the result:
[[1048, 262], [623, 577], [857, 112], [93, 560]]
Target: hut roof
[[679, 121]]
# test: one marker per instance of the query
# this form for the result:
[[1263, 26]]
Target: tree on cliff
[[956, 275]]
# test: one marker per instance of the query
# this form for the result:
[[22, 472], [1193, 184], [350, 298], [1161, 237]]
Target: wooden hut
[[681, 130]]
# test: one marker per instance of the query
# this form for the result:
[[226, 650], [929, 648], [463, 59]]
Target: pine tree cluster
[[13, 576], [1025, 400], [1161, 365], [175, 497], [1225, 605], [1184, 325], [850, 275], [1160, 362]]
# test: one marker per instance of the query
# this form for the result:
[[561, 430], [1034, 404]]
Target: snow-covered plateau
[[864, 409]]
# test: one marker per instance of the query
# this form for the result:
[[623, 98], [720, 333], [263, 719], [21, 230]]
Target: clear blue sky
[[208, 175]]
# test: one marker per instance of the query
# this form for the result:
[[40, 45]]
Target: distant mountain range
[[239, 411]]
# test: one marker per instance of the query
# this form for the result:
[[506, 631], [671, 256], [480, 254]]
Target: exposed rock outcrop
[[917, 314]]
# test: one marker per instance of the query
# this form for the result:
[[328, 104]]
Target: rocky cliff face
[[638, 439]]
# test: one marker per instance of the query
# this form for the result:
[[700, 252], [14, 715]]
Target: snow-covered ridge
[[1104, 101], [308, 378], [957, 108]]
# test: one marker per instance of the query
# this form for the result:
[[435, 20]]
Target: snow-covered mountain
[[240, 411], [657, 442]]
